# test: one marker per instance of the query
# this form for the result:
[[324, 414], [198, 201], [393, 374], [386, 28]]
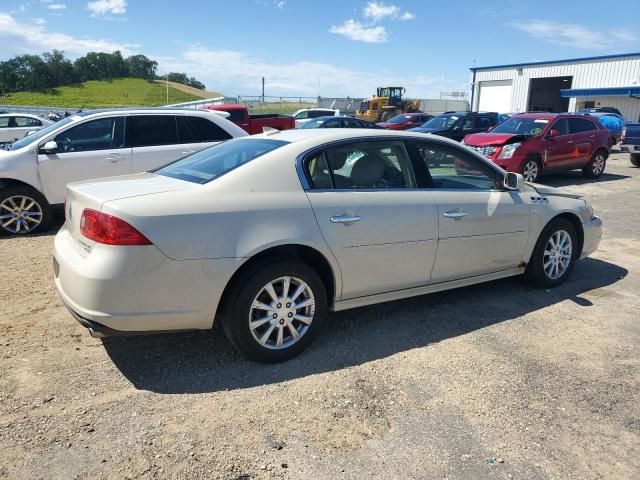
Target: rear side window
[[579, 125], [236, 116], [318, 113], [363, 165], [213, 162], [27, 122], [198, 129], [151, 130]]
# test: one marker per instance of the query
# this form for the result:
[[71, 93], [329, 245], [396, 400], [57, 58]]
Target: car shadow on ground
[[200, 362], [565, 179]]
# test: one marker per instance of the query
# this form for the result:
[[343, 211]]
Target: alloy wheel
[[281, 313], [557, 254], [598, 164], [530, 171], [20, 214]]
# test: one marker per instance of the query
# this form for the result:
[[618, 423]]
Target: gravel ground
[[494, 381]]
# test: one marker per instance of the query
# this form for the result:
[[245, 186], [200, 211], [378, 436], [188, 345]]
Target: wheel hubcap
[[20, 214], [281, 313], [530, 171], [557, 255], [598, 164]]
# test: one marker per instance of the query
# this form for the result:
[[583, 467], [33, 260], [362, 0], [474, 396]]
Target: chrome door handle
[[570, 142], [344, 218], [592, 136], [114, 157], [455, 214]]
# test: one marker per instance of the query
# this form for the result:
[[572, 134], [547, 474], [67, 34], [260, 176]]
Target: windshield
[[522, 126], [41, 133], [441, 122], [400, 119], [213, 162], [314, 124]]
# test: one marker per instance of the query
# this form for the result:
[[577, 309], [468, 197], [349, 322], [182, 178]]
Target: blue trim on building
[[552, 62], [600, 92]]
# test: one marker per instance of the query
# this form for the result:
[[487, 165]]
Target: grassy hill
[[94, 94], [190, 90]]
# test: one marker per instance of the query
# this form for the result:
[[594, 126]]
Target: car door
[[559, 148], [583, 131], [91, 149], [153, 140], [482, 228], [381, 228]]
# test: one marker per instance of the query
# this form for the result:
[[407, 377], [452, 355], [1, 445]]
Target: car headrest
[[337, 158], [367, 171]]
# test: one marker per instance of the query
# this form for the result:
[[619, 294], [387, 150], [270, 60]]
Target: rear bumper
[[630, 148], [592, 236], [133, 290]]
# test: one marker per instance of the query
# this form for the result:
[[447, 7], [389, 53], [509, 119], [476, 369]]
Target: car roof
[[18, 114], [332, 117], [161, 110]]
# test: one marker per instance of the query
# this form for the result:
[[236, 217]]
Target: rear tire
[[260, 317], [596, 165], [554, 255], [23, 211], [635, 159]]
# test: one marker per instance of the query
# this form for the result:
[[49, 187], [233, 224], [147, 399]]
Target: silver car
[[270, 232], [14, 126]]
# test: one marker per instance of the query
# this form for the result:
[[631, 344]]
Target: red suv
[[537, 143]]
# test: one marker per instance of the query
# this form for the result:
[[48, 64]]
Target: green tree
[[140, 66], [61, 68]]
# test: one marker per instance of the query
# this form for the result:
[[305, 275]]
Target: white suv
[[305, 115], [35, 171]]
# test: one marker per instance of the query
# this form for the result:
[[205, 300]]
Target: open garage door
[[545, 96], [495, 96]]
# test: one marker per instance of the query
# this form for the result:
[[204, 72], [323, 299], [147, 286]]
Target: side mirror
[[513, 181], [490, 128], [30, 132], [553, 132], [49, 148]]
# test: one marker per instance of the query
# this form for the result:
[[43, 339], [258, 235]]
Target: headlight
[[589, 210], [509, 150]]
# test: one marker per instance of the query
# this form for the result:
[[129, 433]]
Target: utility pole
[[167, 89], [262, 89]]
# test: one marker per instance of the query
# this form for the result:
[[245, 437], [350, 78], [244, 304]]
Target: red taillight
[[103, 228]]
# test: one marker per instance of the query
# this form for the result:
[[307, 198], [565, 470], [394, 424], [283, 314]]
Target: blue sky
[[328, 47]]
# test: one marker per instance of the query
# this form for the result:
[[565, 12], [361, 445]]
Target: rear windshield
[[521, 125], [213, 162]]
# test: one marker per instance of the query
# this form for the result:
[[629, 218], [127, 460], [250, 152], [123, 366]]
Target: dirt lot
[[494, 381]]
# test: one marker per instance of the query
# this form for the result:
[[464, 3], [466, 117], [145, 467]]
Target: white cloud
[[105, 7], [39, 21], [578, 36], [234, 73], [56, 6], [355, 30], [17, 37], [280, 4], [377, 11]]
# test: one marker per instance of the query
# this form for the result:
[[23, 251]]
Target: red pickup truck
[[252, 124]]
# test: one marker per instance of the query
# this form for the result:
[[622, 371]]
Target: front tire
[[23, 211], [554, 255], [596, 165], [635, 159], [275, 310], [531, 170]]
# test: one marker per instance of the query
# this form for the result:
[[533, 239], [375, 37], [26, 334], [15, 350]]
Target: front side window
[[363, 165], [151, 130], [453, 169], [213, 162], [562, 126], [100, 134], [302, 115], [27, 122], [484, 122]]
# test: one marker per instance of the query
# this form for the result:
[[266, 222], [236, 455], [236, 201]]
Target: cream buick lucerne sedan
[[270, 232]]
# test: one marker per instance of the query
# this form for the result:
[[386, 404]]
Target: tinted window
[[302, 115], [467, 123], [484, 122], [351, 123], [579, 125], [213, 162], [319, 113], [4, 122], [236, 116], [149, 130], [365, 165], [100, 134], [450, 168], [331, 124], [562, 126], [198, 129]]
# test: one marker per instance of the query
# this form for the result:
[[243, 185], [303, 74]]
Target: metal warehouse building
[[560, 86]]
